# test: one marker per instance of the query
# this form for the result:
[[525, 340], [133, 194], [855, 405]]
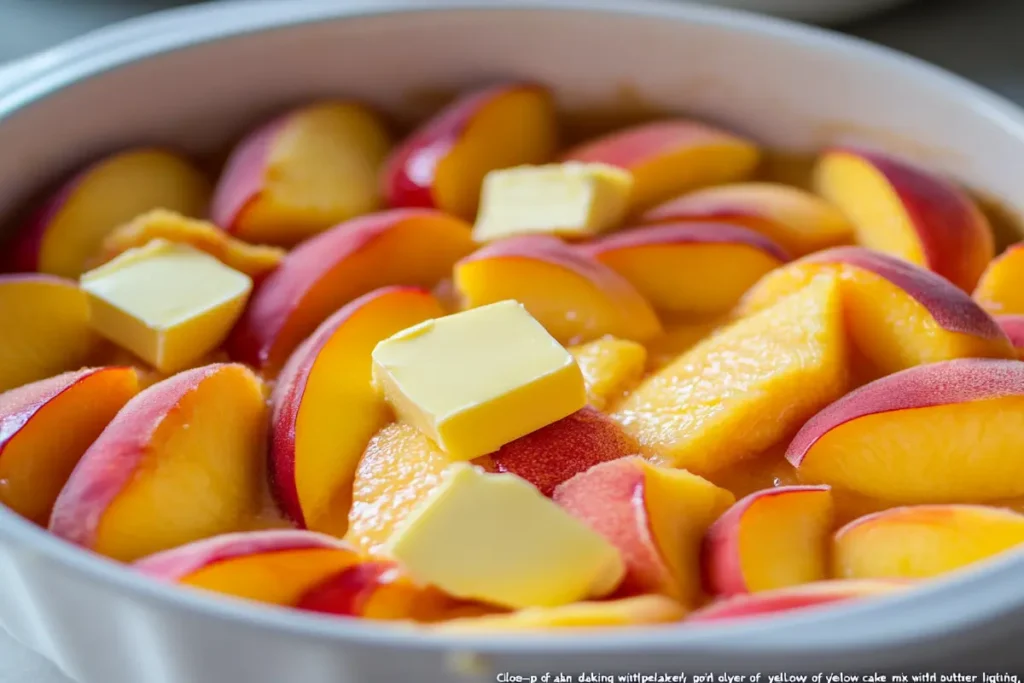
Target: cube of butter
[[170, 304], [568, 200], [496, 538], [476, 380]]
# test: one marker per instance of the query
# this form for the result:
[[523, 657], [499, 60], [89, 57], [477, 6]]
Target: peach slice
[[45, 427], [67, 231], [313, 453], [610, 367], [655, 516], [1013, 326], [798, 221], [773, 538], [182, 461], [301, 173], [563, 449], [679, 337], [903, 210], [375, 590], [46, 328], [689, 268], [1001, 287], [940, 433], [897, 315], [670, 157], [399, 468], [635, 611], [745, 388], [399, 247], [806, 596], [442, 165], [576, 298], [920, 541], [255, 261]]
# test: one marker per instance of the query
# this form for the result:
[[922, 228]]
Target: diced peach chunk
[[313, 453], [442, 165], [745, 388], [670, 157], [940, 433], [576, 298], [905, 211], [46, 426], [689, 268], [400, 247], [812, 595], [611, 367], [182, 461], [771, 539], [635, 611], [1001, 287], [655, 516], [796, 220]]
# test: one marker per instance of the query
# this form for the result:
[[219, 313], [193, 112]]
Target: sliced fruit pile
[[482, 382]]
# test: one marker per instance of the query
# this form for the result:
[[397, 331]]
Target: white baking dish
[[196, 77]]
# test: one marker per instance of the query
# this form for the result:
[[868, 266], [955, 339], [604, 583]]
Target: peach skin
[[905, 211], [806, 596], [313, 454], [797, 221], [747, 387], [940, 433], [182, 461], [301, 173], [771, 539], [563, 449], [46, 328], [1013, 326], [897, 315], [45, 427], [921, 541], [255, 261], [670, 157], [1001, 287], [634, 611], [67, 231], [656, 517], [697, 269], [611, 367], [575, 297], [442, 165], [399, 247]]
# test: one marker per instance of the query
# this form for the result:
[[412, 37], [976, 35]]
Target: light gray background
[[979, 39]]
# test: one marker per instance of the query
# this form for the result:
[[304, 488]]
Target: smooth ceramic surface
[[195, 78]]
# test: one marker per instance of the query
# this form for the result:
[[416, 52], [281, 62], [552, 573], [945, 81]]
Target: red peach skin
[[807, 596], [1013, 326]]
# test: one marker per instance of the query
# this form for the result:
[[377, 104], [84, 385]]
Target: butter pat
[[496, 538], [476, 380], [170, 304], [569, 200]]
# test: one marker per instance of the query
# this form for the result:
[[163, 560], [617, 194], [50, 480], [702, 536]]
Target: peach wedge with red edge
[[442, 165], [563, 449], [399, 247], [1001, 287], [611, 367], [45, 427], [301, 173], [313, 454], [633, 611], [939, 433], [656, 517], [67, 231], [921, 541], [689, 268], [806, 596], [910, 213], [798, 221], [747, 387], [898, 315], [670, 157], [773, 538], [379, 590], [575, 297], [46, 329], [182, 461], [1013, 326]]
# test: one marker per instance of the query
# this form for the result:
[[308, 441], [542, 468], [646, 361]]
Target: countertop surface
[[979, 39]]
